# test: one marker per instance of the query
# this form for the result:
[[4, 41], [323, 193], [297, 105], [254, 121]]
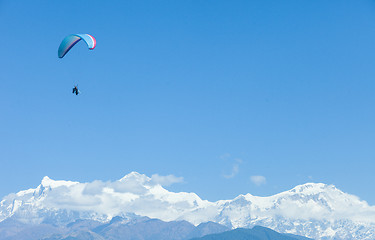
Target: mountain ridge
[[315, 210], [256, 233]]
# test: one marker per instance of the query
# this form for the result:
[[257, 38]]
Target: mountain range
[[313, 210], [138, 228]]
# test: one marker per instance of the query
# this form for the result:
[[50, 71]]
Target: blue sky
[[216, 92]]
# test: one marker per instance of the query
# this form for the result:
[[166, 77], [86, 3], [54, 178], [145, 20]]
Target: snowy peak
[[310, 191], [48, 182], [135, 177], [312, 188]]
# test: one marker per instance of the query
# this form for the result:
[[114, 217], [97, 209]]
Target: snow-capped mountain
[[313, 210]]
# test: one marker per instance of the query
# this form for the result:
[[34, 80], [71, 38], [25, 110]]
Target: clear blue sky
[[188, 88]]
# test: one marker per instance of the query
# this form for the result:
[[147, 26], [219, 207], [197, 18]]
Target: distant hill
[[142, 228], [118, 228], [256, 233]]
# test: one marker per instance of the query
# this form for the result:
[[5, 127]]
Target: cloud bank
[[166, 180]]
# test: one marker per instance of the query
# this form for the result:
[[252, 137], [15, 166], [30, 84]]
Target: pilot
[[75, 90]]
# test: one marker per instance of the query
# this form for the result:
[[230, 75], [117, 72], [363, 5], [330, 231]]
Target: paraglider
[[69, 41]]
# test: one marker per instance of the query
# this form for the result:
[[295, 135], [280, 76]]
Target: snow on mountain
[[134, 193], [304, 202], [314, 210]]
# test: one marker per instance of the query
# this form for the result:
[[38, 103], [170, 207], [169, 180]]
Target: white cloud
[[258, 180], [166, 180], [235, 169], [225, 156], [133, 187]]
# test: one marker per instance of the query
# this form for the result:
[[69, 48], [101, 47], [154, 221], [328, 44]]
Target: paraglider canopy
[[71, 40]]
